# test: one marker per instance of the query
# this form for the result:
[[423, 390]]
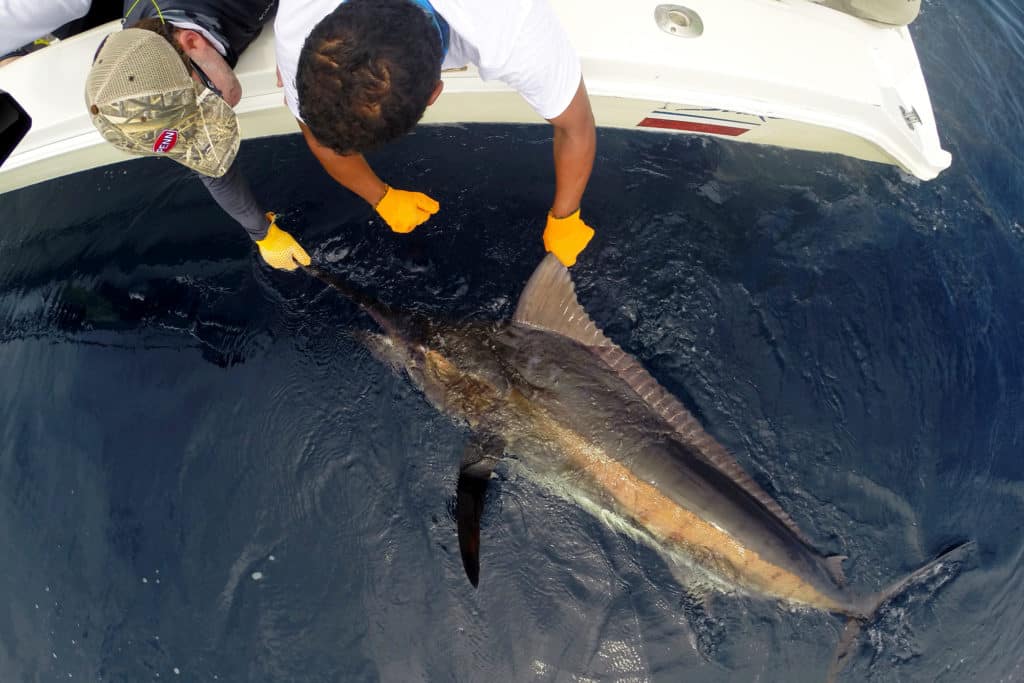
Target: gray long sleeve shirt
[[232, 192]]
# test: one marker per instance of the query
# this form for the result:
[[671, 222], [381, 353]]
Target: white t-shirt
[[518, 42], [22, 21]]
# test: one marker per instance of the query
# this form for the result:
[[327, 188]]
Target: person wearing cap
[[165, 86], [360, 73]]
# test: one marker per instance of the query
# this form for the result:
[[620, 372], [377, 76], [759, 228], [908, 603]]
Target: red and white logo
[[166, 141]]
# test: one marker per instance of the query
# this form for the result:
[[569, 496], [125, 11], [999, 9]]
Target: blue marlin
[[588, 421]]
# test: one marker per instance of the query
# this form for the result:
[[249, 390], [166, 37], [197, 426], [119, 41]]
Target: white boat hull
[[778, 72]]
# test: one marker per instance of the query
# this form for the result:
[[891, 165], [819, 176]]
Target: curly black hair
[[366, 73]]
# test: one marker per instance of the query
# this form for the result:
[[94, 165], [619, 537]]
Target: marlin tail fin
[[873, 603]]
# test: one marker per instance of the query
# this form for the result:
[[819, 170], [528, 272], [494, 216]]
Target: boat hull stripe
[[692, 126]]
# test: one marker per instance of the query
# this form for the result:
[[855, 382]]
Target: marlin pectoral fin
[[478, 462], [834, 565], [469, 507]]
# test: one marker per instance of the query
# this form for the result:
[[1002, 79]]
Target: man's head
[[199, 56], [367, 72], [147, 94]]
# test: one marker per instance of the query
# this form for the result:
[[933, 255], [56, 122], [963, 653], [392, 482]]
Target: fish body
[[588, 421]]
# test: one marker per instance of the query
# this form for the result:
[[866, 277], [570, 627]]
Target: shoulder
[[504, 31], [521, 43], [484, 24]]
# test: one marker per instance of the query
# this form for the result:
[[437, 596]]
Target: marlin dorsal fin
[[549, 302]]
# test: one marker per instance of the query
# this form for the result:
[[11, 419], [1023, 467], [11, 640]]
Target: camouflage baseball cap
[[142, 100]]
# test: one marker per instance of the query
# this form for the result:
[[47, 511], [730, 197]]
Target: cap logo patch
[[166, 141]]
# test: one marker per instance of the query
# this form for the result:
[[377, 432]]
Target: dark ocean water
[[203, 476]]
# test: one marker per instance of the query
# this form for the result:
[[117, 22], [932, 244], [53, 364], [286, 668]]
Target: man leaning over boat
[[359, 74], [165, 86]]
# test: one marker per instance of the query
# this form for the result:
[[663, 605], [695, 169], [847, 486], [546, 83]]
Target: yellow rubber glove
[[403, 210], [566, 237], [279, 249]]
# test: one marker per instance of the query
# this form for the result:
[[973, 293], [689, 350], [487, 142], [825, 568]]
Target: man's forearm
[[575, 144], [350, 171], [574, 160], [233, 194]]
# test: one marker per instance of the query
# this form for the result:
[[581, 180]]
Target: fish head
[[458, 369], [389, 350]]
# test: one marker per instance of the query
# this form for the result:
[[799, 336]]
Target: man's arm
[[540, 62], [565, 234], [401, 210], [351, 171], [232, 193], [575, 143]]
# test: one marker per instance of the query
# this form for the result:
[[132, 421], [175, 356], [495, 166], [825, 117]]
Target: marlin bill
[[587, 420]]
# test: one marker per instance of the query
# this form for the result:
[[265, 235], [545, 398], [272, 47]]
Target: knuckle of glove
[[403, 211], [280, 250], [566, 238]]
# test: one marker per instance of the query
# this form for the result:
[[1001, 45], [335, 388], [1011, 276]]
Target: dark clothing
[[235, 23], [232, 193], [100, 12]]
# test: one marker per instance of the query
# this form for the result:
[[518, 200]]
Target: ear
[[437, 93], [190, 41]]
